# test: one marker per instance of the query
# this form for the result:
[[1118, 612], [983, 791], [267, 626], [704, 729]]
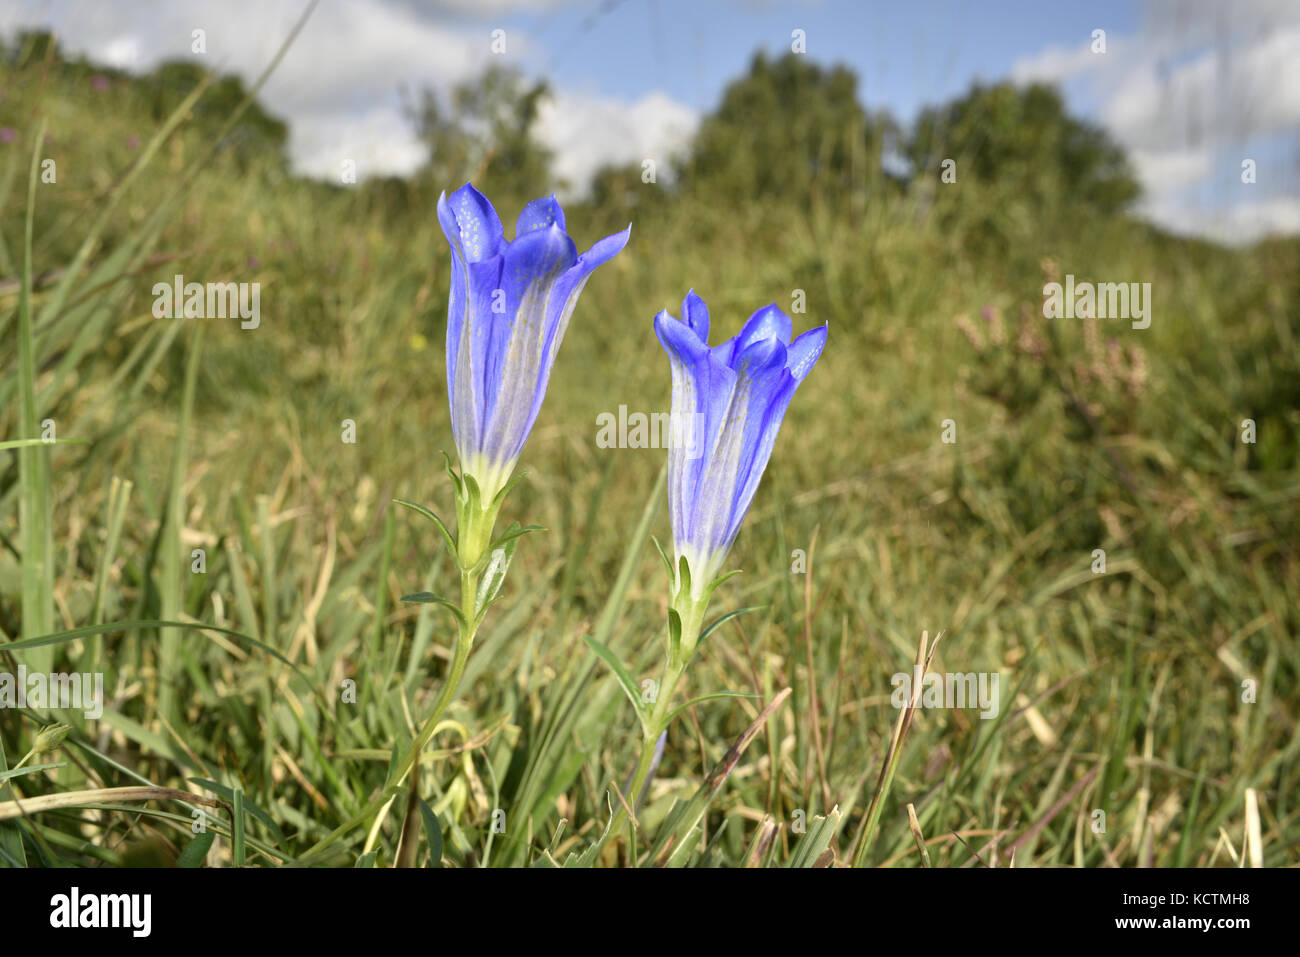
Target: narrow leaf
[[196, 851], [625, 680], [433, 831], [429, 514]]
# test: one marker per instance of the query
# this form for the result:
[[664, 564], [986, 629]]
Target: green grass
[[1120, 692]]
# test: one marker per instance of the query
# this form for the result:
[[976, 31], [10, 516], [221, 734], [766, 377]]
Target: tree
[[1023, 136], [790, 127], [257, 134], [484, 133]]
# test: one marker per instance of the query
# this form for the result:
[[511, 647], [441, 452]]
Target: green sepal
[[668, 562], [625, 679], [470, 495], [708, 592], [451, 473], [674, 633], [429, 514], [505, 490], [683, 582]]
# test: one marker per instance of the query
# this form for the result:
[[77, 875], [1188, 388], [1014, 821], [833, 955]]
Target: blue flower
[[509, 307], [728, 402]]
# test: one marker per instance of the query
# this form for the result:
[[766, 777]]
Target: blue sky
[[1190, 88], [906, 54]]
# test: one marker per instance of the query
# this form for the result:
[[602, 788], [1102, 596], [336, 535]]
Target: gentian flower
[[733, 396], [510, 304]]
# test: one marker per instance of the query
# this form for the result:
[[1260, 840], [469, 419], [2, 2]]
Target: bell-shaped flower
[[730, 399], [509, 306]]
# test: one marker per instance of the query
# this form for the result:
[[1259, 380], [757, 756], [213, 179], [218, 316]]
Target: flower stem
[[655, 726], [466, 629], [681, 648], [459, 656]]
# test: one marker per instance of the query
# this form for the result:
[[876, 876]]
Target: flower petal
[[525, 338], [603, 250], [767, 408], [469, 352], [569, 286], [538, 214], [805, 351], [695, 313], [724, 492], [474, 224], [767, 323], [702, 390], [741, 390]]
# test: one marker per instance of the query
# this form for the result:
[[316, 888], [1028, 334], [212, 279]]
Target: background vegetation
[[1121, 692]]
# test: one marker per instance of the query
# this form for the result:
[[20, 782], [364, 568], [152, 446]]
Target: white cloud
[[1055, 64], [588, 132], [339, 86], [491, 8], [1218, 96], [1236, 223], [1173, 169], [1187, 97]]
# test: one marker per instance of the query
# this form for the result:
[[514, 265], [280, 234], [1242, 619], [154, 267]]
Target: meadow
[[956, 464]]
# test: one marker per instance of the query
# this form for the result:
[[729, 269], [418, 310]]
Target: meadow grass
[[1121, 692]]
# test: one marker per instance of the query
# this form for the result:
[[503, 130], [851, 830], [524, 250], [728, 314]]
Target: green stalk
[[34, 520], [654, 728], [924, 655], [473, 537], [465, 633], [679, 656]]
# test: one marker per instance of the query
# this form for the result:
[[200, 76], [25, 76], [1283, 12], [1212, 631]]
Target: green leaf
[[429, 598], [433, 831], [36, 542], [196, 851], [625, 680], [367, 859], [252, 809], [237, 851], [513, 532], [24, 443], [811, 845], [494, 576], [429, 514], [727, 617], [706, 697], [112, 626], [30, 769], [394, 762]]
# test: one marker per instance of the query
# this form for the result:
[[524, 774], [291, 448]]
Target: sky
[[1192, 89]]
